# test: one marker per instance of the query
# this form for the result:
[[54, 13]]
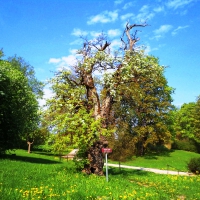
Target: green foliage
[[134, 94], [185, 121], [186, 126], [68, 117], [28, 71], [122, 146], [18, 108], [186, 145], [144, 101], [197, 120], [194, 165], [81, 159]]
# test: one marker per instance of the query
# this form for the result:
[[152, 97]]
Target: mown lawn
[[174, 160], [40, 176]]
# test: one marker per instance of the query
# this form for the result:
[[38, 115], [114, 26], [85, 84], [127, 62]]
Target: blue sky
[[46, 34]]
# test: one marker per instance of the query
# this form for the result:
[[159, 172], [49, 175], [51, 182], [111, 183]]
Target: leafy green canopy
[[67, 115], [197, 120], [18, 108], [28, 71], [187, 120], [144, 100], [141, 99]]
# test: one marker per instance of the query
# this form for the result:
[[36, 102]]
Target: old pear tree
[[130, 97]]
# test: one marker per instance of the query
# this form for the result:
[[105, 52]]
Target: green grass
[[175, 160], [42, 176]]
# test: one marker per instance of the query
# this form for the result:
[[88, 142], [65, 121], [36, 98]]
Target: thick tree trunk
[[101, 110], [95, 157]]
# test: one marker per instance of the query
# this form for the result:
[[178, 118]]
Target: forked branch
[[132, 39]]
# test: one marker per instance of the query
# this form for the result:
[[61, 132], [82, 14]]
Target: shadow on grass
[[29, 159], [126, 172], [155, 154], [47, 153]]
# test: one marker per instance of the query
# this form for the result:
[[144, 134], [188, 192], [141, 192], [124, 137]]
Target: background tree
[[186, 127], [145, 101], [28, 71], [185, 121], [197, 121], [123, 145], [83, 109], [18, 108]]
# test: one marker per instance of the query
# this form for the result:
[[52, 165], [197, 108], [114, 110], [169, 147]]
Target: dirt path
[[157, 171]]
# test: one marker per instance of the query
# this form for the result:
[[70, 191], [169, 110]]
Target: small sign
[[106, 150]]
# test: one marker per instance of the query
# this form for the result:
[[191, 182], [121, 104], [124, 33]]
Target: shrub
[[194, 165], [186, 145]]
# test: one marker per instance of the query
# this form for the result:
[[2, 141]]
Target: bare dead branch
[[132, 39], [124, 43], [105, 46]]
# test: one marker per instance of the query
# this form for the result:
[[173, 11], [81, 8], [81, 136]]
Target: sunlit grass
[[174, 160], [37, 176]]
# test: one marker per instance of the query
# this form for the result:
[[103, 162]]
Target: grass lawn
[[175, 160], [42, 176]]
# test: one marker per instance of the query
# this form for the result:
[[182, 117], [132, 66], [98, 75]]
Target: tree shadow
[[47, 153], [154, 154], [29, 159], [126, 172]]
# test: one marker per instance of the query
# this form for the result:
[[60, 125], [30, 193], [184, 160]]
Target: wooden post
[[29, 146]]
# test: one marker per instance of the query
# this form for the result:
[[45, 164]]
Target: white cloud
[[64, 62], [177, 3], [127, 5], [73, 51], [115, 45], [183, 12], [163, 29], [158, 9], [69, 60], [79, 32], [147, 49], [144, 8], [47, 95], [126, 16], [95, 34], [54, 60], [145, 14], [104, 17], [114, 32], [76, 42], [160, 32], [118, 2], [175, 31]]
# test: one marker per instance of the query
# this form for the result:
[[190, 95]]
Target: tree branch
[[132, 38]]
